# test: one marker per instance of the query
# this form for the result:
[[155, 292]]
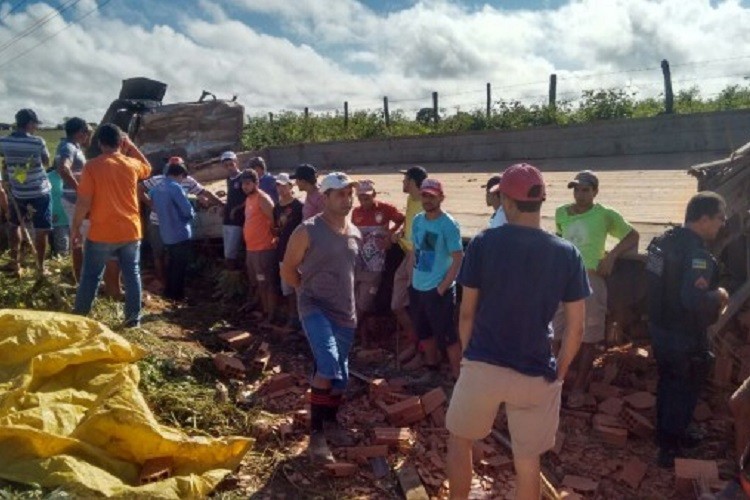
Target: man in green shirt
[[587, 224]]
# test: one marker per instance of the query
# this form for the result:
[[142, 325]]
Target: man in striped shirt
[[25, 158]]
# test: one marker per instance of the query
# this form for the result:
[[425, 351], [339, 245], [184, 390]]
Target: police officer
[[684, 299]]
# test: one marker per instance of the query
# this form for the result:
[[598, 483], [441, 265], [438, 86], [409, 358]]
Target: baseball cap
[[283, 178], [175, 160], [365, 187], [249, 175], [492, 182], [336, 180], [431, 186], [417, 174], [26, 116], [518, 181], [305, 172], [228, 155], [585, 177]]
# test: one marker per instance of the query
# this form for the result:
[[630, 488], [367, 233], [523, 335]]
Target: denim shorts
[[233, 241], [330, 345], [37, 210]]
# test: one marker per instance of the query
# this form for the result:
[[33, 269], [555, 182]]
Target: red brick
[[640, 400], [612, 435], [392, 436], [604, 391], [580, 483], [397, 384], [229, 366], [262, 357], [611, 406], [341, 469], [279, 382], [236, 339], [438, 417], [688, 470], [637, 423], [633, 472], [394, 397], [432, 400], [405, 412], [602, 419], [378, 386], [356, 452], [156, 469]]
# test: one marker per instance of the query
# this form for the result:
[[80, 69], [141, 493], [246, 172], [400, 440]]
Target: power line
[[81, 18], [36, 26], [14, 8]]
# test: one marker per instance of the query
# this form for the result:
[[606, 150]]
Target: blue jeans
[[330, 344], [95, 257]]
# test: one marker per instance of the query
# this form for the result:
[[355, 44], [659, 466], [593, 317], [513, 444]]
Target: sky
[[68, 57]]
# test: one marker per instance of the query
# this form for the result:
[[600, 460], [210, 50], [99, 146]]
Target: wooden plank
[[411, 484]]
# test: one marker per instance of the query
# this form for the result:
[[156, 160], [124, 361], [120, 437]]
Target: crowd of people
[[533, 303]]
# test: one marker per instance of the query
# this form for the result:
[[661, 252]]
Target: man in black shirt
[[287, 215]]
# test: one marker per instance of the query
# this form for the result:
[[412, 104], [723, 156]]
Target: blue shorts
[[37, 210], [330, 345]]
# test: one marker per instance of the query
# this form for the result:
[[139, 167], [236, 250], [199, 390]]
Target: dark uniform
[[682, 273]]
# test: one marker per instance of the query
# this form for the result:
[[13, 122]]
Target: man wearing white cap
[[287, 216], [319, 262], [378, 222], [234, 216]]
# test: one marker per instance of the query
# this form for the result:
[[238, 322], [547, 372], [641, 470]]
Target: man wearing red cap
[[513, 279], [437, 255]]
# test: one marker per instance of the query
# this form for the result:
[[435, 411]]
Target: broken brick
[[611, 406], [604, 391], [640, 400], [405, 412], [236, 339], [687, 471], [580, 483], [156, 469], [612, 435], [378, 386], [633, 473], [605, 420], [432, 400], [397, 384], [229, 366], [392, 436], [341, 469], [637, 423], [279, 382], [356, 452], [394, 397]]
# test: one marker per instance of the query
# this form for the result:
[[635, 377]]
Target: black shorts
[[433, 315]]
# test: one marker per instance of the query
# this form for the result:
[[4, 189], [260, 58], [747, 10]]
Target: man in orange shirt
[[108, 195], [260, 243]]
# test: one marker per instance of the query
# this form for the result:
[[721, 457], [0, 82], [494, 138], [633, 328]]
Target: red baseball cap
[[431, 186], [519, 180]]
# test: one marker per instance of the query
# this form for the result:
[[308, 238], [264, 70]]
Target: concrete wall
[[663, 142]]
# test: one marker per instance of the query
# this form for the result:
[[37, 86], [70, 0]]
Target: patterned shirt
[[25, 156]]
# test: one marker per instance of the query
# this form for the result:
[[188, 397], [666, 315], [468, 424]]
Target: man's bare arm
[[575, 312], [295, 253], [83, 206]]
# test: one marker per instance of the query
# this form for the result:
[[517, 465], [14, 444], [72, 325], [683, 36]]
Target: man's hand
[[723, 297], [442, 288], [606, 265], [76, 238]]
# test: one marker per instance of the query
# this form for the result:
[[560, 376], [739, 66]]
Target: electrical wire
[[37, 25]]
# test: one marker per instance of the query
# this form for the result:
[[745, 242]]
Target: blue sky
[[287, 54]]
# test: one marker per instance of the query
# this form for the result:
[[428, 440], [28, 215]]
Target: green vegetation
[[604, 104]]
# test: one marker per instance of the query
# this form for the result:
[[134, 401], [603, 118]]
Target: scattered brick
[[604, 420], [611, 406], [405, 412], [341, 469], [688, 470], [432, 400], [394, 397], [156, 469], [612, 435], [378, 387], [279, 382], [580, 483], [637, 423], [438, 417], [236, 339], [397, 384], [229, 366], [604, 391], [633, 473], [392, 436], [611, 370], [356, 452], [640, 400]]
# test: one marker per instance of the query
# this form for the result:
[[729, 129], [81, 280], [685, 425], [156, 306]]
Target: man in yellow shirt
[[413, 178]]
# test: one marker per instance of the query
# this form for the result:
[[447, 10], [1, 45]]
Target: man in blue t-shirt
[[266, 181], [436, 260], [513, 279]]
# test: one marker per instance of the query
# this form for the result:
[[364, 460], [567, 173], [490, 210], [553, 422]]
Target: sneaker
[[665, 458], [318, 450]]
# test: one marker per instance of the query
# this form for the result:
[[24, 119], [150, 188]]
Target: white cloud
[[341, 50]]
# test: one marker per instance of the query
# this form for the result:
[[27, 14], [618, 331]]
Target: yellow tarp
[[71, 414]]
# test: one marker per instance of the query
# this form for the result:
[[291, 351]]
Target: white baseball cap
[[336, 180], [283, 178], [228, 155]]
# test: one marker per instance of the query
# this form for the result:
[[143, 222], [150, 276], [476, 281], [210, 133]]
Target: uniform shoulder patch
[[700, 264]]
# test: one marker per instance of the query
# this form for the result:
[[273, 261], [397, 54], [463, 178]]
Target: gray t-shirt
[[328, 272], [69, 150]]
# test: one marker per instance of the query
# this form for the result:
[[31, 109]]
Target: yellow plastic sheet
[[71, 415]]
